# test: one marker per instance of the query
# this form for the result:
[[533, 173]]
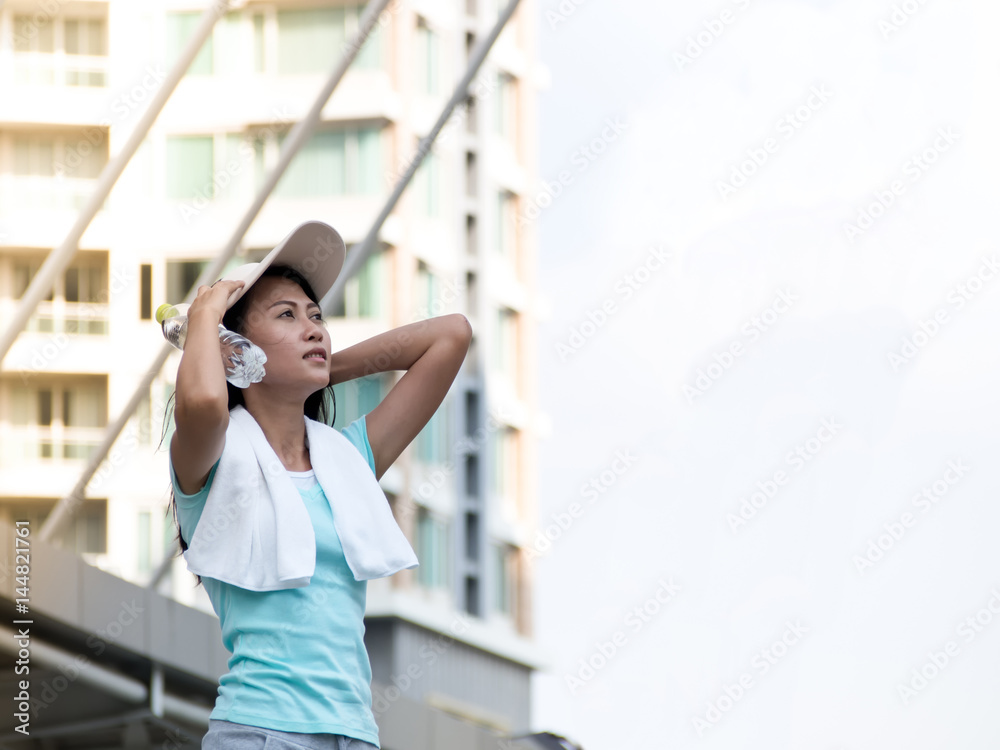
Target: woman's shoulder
[[199, 497], [357, 433]]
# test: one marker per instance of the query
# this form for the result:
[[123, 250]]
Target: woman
[[299, 674]]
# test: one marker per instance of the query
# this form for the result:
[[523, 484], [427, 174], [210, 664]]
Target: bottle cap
[[164, 311]]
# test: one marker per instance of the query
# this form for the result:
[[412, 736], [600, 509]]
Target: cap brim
[[313, 248]]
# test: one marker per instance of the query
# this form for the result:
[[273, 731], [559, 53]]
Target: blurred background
[[716, 472]]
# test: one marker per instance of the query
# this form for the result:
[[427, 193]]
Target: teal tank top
[[298, 660]]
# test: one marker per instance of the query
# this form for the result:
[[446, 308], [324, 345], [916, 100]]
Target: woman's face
[[289, 327]]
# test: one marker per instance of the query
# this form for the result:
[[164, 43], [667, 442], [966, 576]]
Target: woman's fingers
[[217, 295]]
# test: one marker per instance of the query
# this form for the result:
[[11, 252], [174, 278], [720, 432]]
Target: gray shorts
[[225, 735]]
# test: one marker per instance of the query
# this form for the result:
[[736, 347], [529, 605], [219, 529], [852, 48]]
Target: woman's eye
[[286, 312]]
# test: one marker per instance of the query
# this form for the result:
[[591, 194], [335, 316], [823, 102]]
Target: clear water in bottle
[[242, 359]]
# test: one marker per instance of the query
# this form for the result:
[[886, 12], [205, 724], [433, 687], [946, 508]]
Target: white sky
[[824, 357]]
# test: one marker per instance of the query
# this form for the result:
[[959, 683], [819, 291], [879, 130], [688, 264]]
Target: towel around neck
[[255, 531]]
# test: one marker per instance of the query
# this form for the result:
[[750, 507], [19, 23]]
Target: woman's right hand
[[214, 300]]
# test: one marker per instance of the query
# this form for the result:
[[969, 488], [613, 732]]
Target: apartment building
[[76, 77]]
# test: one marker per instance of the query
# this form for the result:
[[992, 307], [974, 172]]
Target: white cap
[[313, 248]]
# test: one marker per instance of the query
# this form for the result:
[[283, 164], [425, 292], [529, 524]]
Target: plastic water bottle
[[243, 360]]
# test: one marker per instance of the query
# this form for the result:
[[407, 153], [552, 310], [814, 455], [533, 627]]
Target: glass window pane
[[19, 412], [189, 167], [71, 285], [96, 44], [318, 169], [45, 408], [96, 284], [309, 40], [369, 161], [180, 27], [258, 43], [83, 406], [71, 34], [370, 56], [34, 34]]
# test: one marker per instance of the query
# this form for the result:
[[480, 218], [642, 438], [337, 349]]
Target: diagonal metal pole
[[59, 258], [66, 507], [360, 252]]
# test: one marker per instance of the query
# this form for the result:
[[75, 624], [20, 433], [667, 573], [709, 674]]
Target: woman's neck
[[284, 427]]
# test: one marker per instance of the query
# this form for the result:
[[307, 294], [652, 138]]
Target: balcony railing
[[20, 194], [59, 69], [32, 444]]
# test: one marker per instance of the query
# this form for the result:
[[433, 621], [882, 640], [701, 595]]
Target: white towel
[[255, 531]]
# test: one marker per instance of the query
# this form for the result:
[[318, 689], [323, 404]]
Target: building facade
[[78, 76]]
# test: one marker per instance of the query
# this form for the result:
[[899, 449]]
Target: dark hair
[[320, 406]]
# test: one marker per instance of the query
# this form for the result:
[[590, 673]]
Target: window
[[364, 294], [505, 342], [60, 50], [309, 40], [428, 59], [86, 533], [503, 578], [53, 419], [428, 288], [432, 440], [506, 223], [357, 397], [471, 174], [312, 40], [77, 302], [180, 28], [259, 45], [181, 276], [504, 465], [335, 162], [505, 105], [189, 167], [85, 37], [433, 550], [428, 186], [145, 291], [54, 171]]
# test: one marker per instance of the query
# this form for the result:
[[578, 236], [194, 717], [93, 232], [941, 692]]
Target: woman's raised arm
[[431, 351], [201, 409]]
